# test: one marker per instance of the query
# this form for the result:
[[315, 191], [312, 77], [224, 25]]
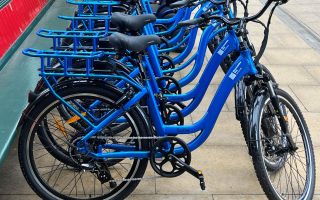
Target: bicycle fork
[[282, 117]]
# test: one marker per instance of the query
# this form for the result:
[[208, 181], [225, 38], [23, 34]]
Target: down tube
[[242, 66]]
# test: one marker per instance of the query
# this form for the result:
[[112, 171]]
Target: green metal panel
[[15, 81], [3, 3]]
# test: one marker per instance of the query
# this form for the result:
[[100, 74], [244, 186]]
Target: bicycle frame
[[199, 57], [242, 66]]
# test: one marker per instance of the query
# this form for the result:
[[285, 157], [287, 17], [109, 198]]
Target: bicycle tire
[[34, 118], [259, 150]]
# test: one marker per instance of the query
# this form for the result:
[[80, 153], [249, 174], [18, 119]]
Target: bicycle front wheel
[[283, 173]]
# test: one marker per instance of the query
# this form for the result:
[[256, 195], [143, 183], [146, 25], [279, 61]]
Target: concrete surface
[[224, 159]]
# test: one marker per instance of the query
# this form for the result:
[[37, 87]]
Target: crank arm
[[196, 173]]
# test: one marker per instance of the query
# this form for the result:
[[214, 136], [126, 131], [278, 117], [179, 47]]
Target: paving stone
[[298, 75], [314, 71], [227, 131], [19, 197], [12, 180], [239, 197], [227, 170], [206, 99], [292, 57], [293, 95], [312, 120], [309, 96], [171, 197], [147, 186], [285, 39], [317, 160]]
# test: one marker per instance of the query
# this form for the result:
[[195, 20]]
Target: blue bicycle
[[103, 164]]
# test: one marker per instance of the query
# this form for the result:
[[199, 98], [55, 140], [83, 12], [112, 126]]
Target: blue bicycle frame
[[242, 66]]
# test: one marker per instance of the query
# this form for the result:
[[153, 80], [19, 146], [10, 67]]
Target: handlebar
[[229, 22], [182, 3], [191, 22], [188, 3]]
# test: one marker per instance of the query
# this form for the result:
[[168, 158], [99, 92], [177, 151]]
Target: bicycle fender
[[254, 120], [71, 83], [36, 98]]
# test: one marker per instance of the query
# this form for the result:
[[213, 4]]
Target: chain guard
[[161, 160]]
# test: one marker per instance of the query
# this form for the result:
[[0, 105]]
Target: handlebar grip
[[218, 2], [182, 3], [179, 4], [191, 22]]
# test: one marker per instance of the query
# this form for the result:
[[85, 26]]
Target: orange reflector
[[75, 118], [60, 127], [285, 118]]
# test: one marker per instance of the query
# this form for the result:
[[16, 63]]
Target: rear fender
[[78, 83], [34, 98]]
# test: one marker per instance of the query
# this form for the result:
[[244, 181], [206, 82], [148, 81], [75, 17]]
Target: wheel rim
[[293, 179], [59, 170]]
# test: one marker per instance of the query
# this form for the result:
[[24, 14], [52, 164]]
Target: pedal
[[196, 173], [104, 175]]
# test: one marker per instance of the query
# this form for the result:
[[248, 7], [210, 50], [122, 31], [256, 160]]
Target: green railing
[[3, 3]]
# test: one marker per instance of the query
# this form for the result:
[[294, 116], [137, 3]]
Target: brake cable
[[266, 35]]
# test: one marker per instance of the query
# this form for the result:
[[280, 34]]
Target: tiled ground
[[224, 159]]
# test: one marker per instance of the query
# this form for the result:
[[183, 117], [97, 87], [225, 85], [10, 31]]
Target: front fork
[[282, 116]]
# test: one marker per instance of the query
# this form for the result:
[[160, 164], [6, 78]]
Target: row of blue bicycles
[[108, 102]]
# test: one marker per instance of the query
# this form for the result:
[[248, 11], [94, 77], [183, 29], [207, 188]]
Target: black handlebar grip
[[179, 4], [191, 22]]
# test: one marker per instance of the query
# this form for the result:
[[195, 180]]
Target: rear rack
[[70, 34], [66, 62], [78, 64], [65, 54], [88, 22], [92, 6], [93, 2], [77, 37]]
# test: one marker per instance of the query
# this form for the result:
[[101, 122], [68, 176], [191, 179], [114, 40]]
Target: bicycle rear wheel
[[283, 173], [44, 164]]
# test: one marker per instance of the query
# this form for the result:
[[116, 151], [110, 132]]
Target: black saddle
[[131, 22], [132, 43]]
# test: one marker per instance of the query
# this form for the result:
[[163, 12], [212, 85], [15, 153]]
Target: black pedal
[[104, 175], [196, 173]]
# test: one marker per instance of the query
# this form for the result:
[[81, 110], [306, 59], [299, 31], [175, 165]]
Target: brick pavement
[[224, 159]]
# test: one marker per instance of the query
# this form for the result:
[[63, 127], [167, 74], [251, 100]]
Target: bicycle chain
[[120, 137], [133, 179]]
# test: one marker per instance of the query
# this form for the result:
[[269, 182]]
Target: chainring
[[161, 160], [167, 113], [169, 85]]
